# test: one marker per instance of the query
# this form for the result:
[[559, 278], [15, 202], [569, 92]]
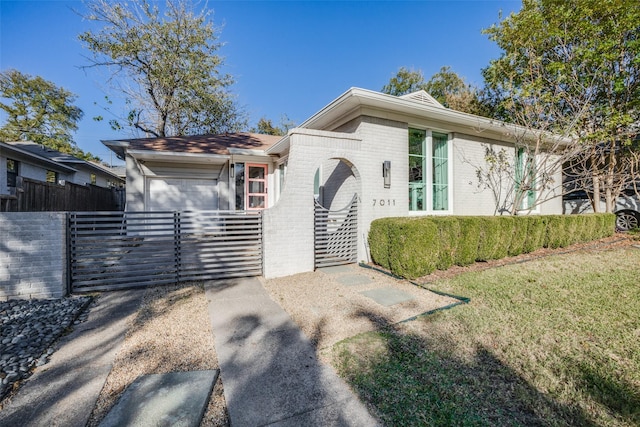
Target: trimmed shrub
[[468, 241], [380, 243], [557, 232], [536, 232], [415, 247], [582, 232], [489, 244], [607, 225], [449, 232], [518, 235]]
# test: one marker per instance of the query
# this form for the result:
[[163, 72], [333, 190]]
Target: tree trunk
[[595, 199]]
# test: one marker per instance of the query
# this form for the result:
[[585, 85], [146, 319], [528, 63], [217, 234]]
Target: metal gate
[[115, 250], [336, 235]]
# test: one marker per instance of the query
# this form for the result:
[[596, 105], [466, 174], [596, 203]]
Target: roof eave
[[357, 97], [117, 146], [154, 155], [43, 160]]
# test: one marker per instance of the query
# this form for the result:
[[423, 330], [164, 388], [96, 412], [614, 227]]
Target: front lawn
[[554, 341]]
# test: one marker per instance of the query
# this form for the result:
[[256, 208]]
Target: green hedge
[[415, 247]]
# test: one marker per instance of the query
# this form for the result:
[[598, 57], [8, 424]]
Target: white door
[[169, 194]]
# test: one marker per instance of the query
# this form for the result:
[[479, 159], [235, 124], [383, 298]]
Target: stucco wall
[[33, 255]]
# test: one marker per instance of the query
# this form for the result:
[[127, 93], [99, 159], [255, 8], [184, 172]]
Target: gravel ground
[[170, 333], [328, 311], [28, 329]]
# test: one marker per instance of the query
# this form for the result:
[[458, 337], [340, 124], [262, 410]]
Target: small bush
[[380, 243], [415, 247]]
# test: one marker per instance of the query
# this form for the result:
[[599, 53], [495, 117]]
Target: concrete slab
[[387, 296], [172, 399], [64, 391], [336, 269], [353, 280], [269, 368]]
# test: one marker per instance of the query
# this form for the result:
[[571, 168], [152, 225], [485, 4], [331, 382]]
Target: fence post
[[177, 244], [69, 253]]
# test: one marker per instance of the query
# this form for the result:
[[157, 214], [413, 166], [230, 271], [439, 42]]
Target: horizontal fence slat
[[336, 235], [118, 250]]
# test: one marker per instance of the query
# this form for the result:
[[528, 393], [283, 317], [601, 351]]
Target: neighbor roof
[[38, 157], [64, 160], [222, 144]]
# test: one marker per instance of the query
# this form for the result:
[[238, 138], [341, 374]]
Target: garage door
[[184, 194]]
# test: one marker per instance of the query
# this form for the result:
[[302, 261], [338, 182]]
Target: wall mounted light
[[386, 173], [232, 170]]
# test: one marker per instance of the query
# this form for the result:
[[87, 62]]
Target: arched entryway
[[336, 187]]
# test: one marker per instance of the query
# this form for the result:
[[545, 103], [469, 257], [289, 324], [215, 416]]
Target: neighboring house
[[75, 170], [402, 156], [26, 160]]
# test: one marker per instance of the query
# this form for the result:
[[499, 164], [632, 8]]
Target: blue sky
[[288, 57]]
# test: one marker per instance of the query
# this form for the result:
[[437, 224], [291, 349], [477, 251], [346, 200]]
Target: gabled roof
[[424, 97], [223, 144]]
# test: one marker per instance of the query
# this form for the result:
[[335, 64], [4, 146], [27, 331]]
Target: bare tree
[[166, 65]]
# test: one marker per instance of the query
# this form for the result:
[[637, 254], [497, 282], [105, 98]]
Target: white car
[[627, 208]]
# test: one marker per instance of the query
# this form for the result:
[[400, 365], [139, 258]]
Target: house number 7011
[[384, 202]]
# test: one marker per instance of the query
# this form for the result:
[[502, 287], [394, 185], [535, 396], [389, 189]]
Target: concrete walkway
[[64, 391], [269, 369]]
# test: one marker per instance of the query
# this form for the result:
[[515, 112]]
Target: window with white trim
[[429, 171], [525, 179]]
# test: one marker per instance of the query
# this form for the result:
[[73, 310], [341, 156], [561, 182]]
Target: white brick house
[[402, 156]]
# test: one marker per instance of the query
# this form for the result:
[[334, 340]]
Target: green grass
[[549, 342]]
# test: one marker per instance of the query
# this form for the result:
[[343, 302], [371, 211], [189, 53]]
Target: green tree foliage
[[446, 86], [166, 65], [39, 111], [453, 92], [573, 67], [265, 126], [405, 81]]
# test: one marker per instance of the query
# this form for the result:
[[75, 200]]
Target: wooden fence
[[38, 196]]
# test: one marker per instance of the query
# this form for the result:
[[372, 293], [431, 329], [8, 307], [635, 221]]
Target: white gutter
[[173, 156], [247, 152], [357, 97]]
